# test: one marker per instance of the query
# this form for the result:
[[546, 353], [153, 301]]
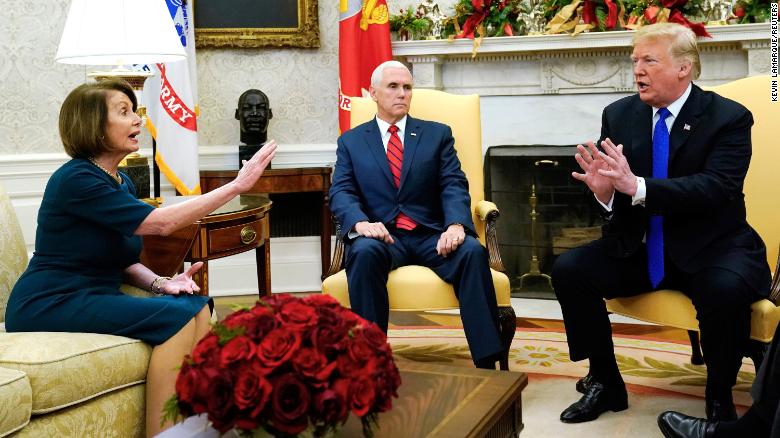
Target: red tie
[[395, 156]]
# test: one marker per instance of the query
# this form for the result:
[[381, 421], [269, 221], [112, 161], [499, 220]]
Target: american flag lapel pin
[[687, 127]]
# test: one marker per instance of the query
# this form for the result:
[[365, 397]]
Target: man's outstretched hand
[[591, 161]]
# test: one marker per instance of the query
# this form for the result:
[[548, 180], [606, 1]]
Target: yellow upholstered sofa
[[64, 384], [671, 307]]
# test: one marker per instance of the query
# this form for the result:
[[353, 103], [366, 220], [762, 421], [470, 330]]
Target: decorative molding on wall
[[295, 261], [596, 62]]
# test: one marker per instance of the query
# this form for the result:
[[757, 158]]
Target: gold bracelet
[[157, 284]]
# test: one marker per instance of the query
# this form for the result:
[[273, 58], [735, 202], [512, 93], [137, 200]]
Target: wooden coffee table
[[448, 401], [434, 401]]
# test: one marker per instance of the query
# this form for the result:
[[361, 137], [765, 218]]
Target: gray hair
[[376, 76], [683, 42]]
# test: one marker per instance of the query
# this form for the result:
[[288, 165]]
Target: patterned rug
[[648, 366]]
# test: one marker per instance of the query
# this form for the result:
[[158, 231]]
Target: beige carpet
[[658, 374]]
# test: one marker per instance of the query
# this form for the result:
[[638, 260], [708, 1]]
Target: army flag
[[364, 43], [171, 96]]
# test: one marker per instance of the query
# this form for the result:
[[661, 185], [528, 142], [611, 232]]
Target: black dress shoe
[[720, 410], [677, 425], [583, 384], [598, 399]]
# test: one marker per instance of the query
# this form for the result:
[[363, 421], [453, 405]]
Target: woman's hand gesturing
[[254, 167], [182, 283]]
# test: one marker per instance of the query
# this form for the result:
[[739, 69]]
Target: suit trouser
[[369, 262], [766, 387], [584, 276]]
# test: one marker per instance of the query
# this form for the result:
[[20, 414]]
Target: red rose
[[739, 11], [290, 402], [207, 349], [331, 334], [255, 323], [321, 300], [359, 349], [313, 365], [347, 366], [221, 409], [297, 315], [278, 346], [276, 301], [373, 335], [185, 388], [237, 349], [362, 393], [384, 394], [330, 407], [252, 390]]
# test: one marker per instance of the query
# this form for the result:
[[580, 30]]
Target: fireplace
[[544, 211]]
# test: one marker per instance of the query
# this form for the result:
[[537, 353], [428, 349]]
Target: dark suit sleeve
[[344, 200], [719, 180], [455, 199]]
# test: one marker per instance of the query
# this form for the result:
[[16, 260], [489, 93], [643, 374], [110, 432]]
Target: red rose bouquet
[[287, 365]]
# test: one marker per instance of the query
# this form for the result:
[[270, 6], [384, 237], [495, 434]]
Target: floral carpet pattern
[[647, 365]]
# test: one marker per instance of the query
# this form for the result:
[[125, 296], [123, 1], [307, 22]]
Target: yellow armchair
[[404, 284], [762, 198]]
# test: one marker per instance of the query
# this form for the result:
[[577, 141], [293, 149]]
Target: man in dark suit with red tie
[[669, 183], [401, 198]]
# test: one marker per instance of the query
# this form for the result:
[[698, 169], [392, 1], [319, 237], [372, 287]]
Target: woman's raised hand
[[254, 167]]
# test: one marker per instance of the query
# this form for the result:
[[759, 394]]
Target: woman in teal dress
[[88, 242]]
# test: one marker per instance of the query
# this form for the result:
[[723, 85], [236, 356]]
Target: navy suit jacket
[[434, 191], [701, 201]]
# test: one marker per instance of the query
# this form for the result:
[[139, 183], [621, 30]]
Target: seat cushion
[[415, 288], [15, 400], [67, 368], [673, 309], [117, 414]]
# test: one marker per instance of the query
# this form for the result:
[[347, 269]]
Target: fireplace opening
[[544, 211]]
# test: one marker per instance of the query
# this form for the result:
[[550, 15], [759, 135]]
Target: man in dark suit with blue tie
[[668, 180], [401, 198]]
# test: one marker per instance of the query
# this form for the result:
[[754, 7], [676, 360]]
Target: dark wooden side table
[[238, 226], [294, 180]]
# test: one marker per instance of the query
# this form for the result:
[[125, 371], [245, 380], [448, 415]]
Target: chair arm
[[485, 209], [774, 291], [488, 212], [338, 252]]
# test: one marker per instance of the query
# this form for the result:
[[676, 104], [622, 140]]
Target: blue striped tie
[[655, 232]]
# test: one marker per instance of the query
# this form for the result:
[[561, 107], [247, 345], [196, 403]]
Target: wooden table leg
[[263, 260], [202, 278]]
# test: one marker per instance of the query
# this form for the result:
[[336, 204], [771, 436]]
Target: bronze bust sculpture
[[253, 113]]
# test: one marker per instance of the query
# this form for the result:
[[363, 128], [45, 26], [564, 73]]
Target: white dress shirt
[[641, 188], [384, 130]]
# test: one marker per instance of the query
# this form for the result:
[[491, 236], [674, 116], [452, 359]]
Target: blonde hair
[[376, 76], [683, 42], [84, 116]]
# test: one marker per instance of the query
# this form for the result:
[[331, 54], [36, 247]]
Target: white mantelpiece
[[550, 89], [596, 62]]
